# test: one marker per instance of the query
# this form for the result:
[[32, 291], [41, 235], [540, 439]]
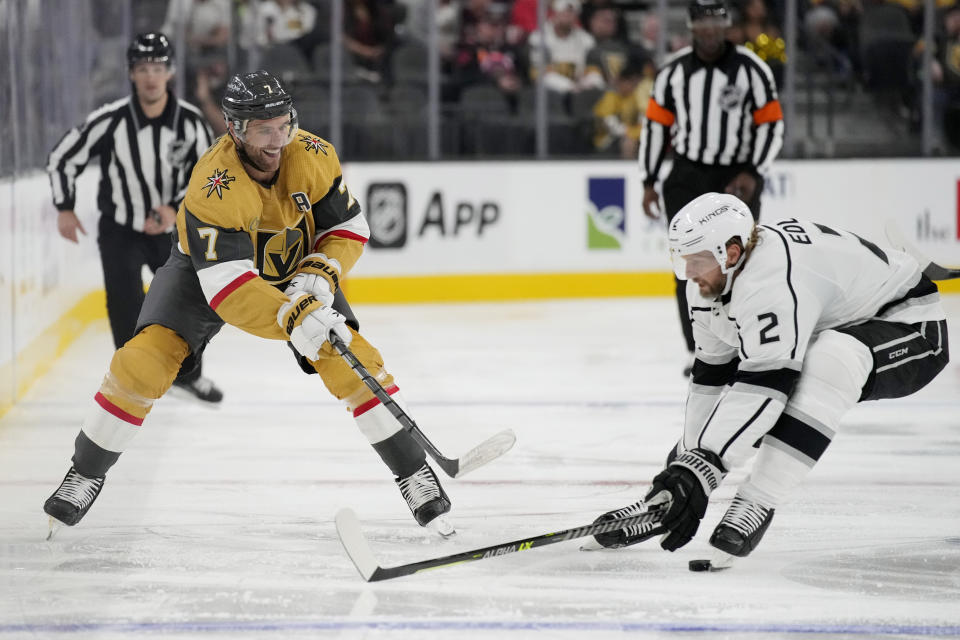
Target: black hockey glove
[[689, 479]]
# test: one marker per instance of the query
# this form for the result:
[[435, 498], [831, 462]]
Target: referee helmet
[[150, 47], [699, 10]]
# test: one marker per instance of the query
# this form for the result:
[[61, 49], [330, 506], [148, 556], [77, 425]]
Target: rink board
[[449, 232]]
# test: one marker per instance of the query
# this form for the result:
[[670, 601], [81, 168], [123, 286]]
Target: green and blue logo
[[606, 213]]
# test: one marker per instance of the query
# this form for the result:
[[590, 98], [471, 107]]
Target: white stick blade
[[486, 451], [351, 537]]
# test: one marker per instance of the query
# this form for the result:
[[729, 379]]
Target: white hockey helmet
[[707, 224]]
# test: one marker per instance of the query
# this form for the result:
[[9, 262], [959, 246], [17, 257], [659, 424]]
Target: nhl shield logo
[[731, 96], [387, 215]]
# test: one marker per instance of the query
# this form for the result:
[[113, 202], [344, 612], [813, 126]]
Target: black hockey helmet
[[700, 9], [150, 47], [256, 96]]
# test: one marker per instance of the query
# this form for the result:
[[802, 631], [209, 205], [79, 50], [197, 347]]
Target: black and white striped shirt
[[144, 162], [720, 113]]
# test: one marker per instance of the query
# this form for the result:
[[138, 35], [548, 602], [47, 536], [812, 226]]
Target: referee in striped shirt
[[716, 104], [147, 144]]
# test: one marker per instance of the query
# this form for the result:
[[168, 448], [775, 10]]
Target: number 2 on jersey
[[772, 322]]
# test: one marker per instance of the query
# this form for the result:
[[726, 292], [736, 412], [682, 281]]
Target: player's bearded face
[[704, 269], [264, 140]]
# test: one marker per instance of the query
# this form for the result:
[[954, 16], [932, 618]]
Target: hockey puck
[[700, 565]]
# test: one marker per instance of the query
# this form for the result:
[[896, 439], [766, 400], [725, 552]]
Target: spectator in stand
[[289, 21], [834, 24], [619, 114], [946, 77], [209, 87], [487, 58], [282, 21], [204, 26], [756, 31], [523, 21], [472, 12], [369, 36], [566, 44], [591, 7], [611, 53]]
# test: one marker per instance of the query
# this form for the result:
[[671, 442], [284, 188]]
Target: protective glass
[[693, 265], [270, 133]]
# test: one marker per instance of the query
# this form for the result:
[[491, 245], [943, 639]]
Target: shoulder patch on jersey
[[219, 181], [312, 143]]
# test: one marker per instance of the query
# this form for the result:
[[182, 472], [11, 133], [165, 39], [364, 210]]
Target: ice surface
[[218, 523]]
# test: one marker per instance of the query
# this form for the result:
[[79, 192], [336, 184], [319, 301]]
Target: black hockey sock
[[401, 453], [90, 459]]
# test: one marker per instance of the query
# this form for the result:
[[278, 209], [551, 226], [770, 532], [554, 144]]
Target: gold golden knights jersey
[[246, 239]]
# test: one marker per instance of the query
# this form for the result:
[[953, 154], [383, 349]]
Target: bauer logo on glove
[[298, 309]]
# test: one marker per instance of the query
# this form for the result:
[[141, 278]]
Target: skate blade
[[55, 526], [442, 527], [593, 545]]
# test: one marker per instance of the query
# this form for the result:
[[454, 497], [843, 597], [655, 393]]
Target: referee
[[716, 104], [147, 144]]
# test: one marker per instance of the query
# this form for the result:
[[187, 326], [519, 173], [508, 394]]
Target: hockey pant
[[144, 368], [870, 361]]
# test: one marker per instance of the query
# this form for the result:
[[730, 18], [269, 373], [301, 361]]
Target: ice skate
[[624, 537], [742, 527], [72, 499], [427, 500]]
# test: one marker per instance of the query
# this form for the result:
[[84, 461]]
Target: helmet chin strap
[[732, 271]]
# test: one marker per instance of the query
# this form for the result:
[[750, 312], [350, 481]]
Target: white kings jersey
[[800, 279]]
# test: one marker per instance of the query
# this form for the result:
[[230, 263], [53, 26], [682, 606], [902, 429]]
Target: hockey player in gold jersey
[[266, 232]]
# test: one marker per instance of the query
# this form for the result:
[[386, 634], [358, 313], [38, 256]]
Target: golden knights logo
[[314, 144], [218, 182], [279, 252]]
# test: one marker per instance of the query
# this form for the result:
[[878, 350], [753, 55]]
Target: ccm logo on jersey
[[898, 353], [303, 304]]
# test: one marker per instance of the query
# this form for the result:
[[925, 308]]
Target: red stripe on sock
[[114, 410], [374, 401]]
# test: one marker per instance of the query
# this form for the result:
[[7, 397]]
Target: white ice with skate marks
[[220, 523]]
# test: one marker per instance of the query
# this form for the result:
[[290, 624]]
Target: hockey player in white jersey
[[794, 322]]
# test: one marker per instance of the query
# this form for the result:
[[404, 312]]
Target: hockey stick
[[348, 528], [488, 450], [930, 268]]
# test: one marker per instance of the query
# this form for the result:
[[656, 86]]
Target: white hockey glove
[[311, 283], [316, 274], [308, 324]]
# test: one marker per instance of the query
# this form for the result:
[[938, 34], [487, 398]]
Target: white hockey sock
[[375, 421], [834, 371]]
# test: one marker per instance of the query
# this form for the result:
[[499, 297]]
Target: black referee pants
[[687, 181], [123, 252]]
